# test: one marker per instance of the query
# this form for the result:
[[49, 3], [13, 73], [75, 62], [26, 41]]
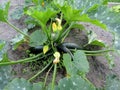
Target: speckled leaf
[[74, 83], [37, 38], [69, 65], [87, 5], [112, 83], [110, 18], [80, 61], [71, 14], [18, 40], [19, 84], [17, 13], [22, 84], [37, 86], [5, 76]]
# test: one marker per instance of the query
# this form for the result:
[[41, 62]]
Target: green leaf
[[5, 76], [17, 13], [22, 84], [41, 16], [37, 86], [5, 58], [2, 44], [59, 2], [87, 5], [70, 14], [80, 61], [110, 18], [18, 40], [93, 39], [112, 83], [4, 12], [19, 84], [85, 18], [110, 58], [2, 49], [74, 83], [116, 8], [79, 26], [69, 65], [37, 38]]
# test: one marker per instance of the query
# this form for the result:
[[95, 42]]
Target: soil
[[98, 65]]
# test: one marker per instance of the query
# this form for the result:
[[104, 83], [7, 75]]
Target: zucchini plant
[[55, 19]]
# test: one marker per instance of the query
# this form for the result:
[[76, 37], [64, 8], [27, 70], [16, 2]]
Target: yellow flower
[[57, 27], [54, 27], [43, 4], [45, 49], [57, 57]]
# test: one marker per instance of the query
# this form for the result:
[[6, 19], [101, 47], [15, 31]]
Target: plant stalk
[[21, 60], [17, 29], [34, 58], [47, 76], [66, 32], [98, 51], [54, 75]]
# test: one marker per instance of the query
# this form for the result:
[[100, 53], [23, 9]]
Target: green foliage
[[110, 18], [22, 84], [2, 45], [93, 40], [70, 68], [41, 16], [18, 40], [55, 19], [37, 38], [5, 76], [18, 13], [80, 61], [112, 83], [74, 83], [4, 12], [116, 8]]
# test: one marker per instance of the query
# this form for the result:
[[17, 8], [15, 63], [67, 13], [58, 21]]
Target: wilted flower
[[57, 57]]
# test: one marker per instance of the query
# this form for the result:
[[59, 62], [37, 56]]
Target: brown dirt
[[98, 65]]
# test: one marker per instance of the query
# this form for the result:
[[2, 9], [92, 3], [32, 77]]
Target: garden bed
[[99, 67]]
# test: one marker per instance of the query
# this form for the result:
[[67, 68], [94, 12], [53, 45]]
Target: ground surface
[[99, 66]]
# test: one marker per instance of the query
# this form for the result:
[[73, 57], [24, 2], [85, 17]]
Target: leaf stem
[[98, 51], [40, 72], [94, 52], [47, 76], [21, 60], [54, 75], [17, 29], [34, 58], [66, 32]]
